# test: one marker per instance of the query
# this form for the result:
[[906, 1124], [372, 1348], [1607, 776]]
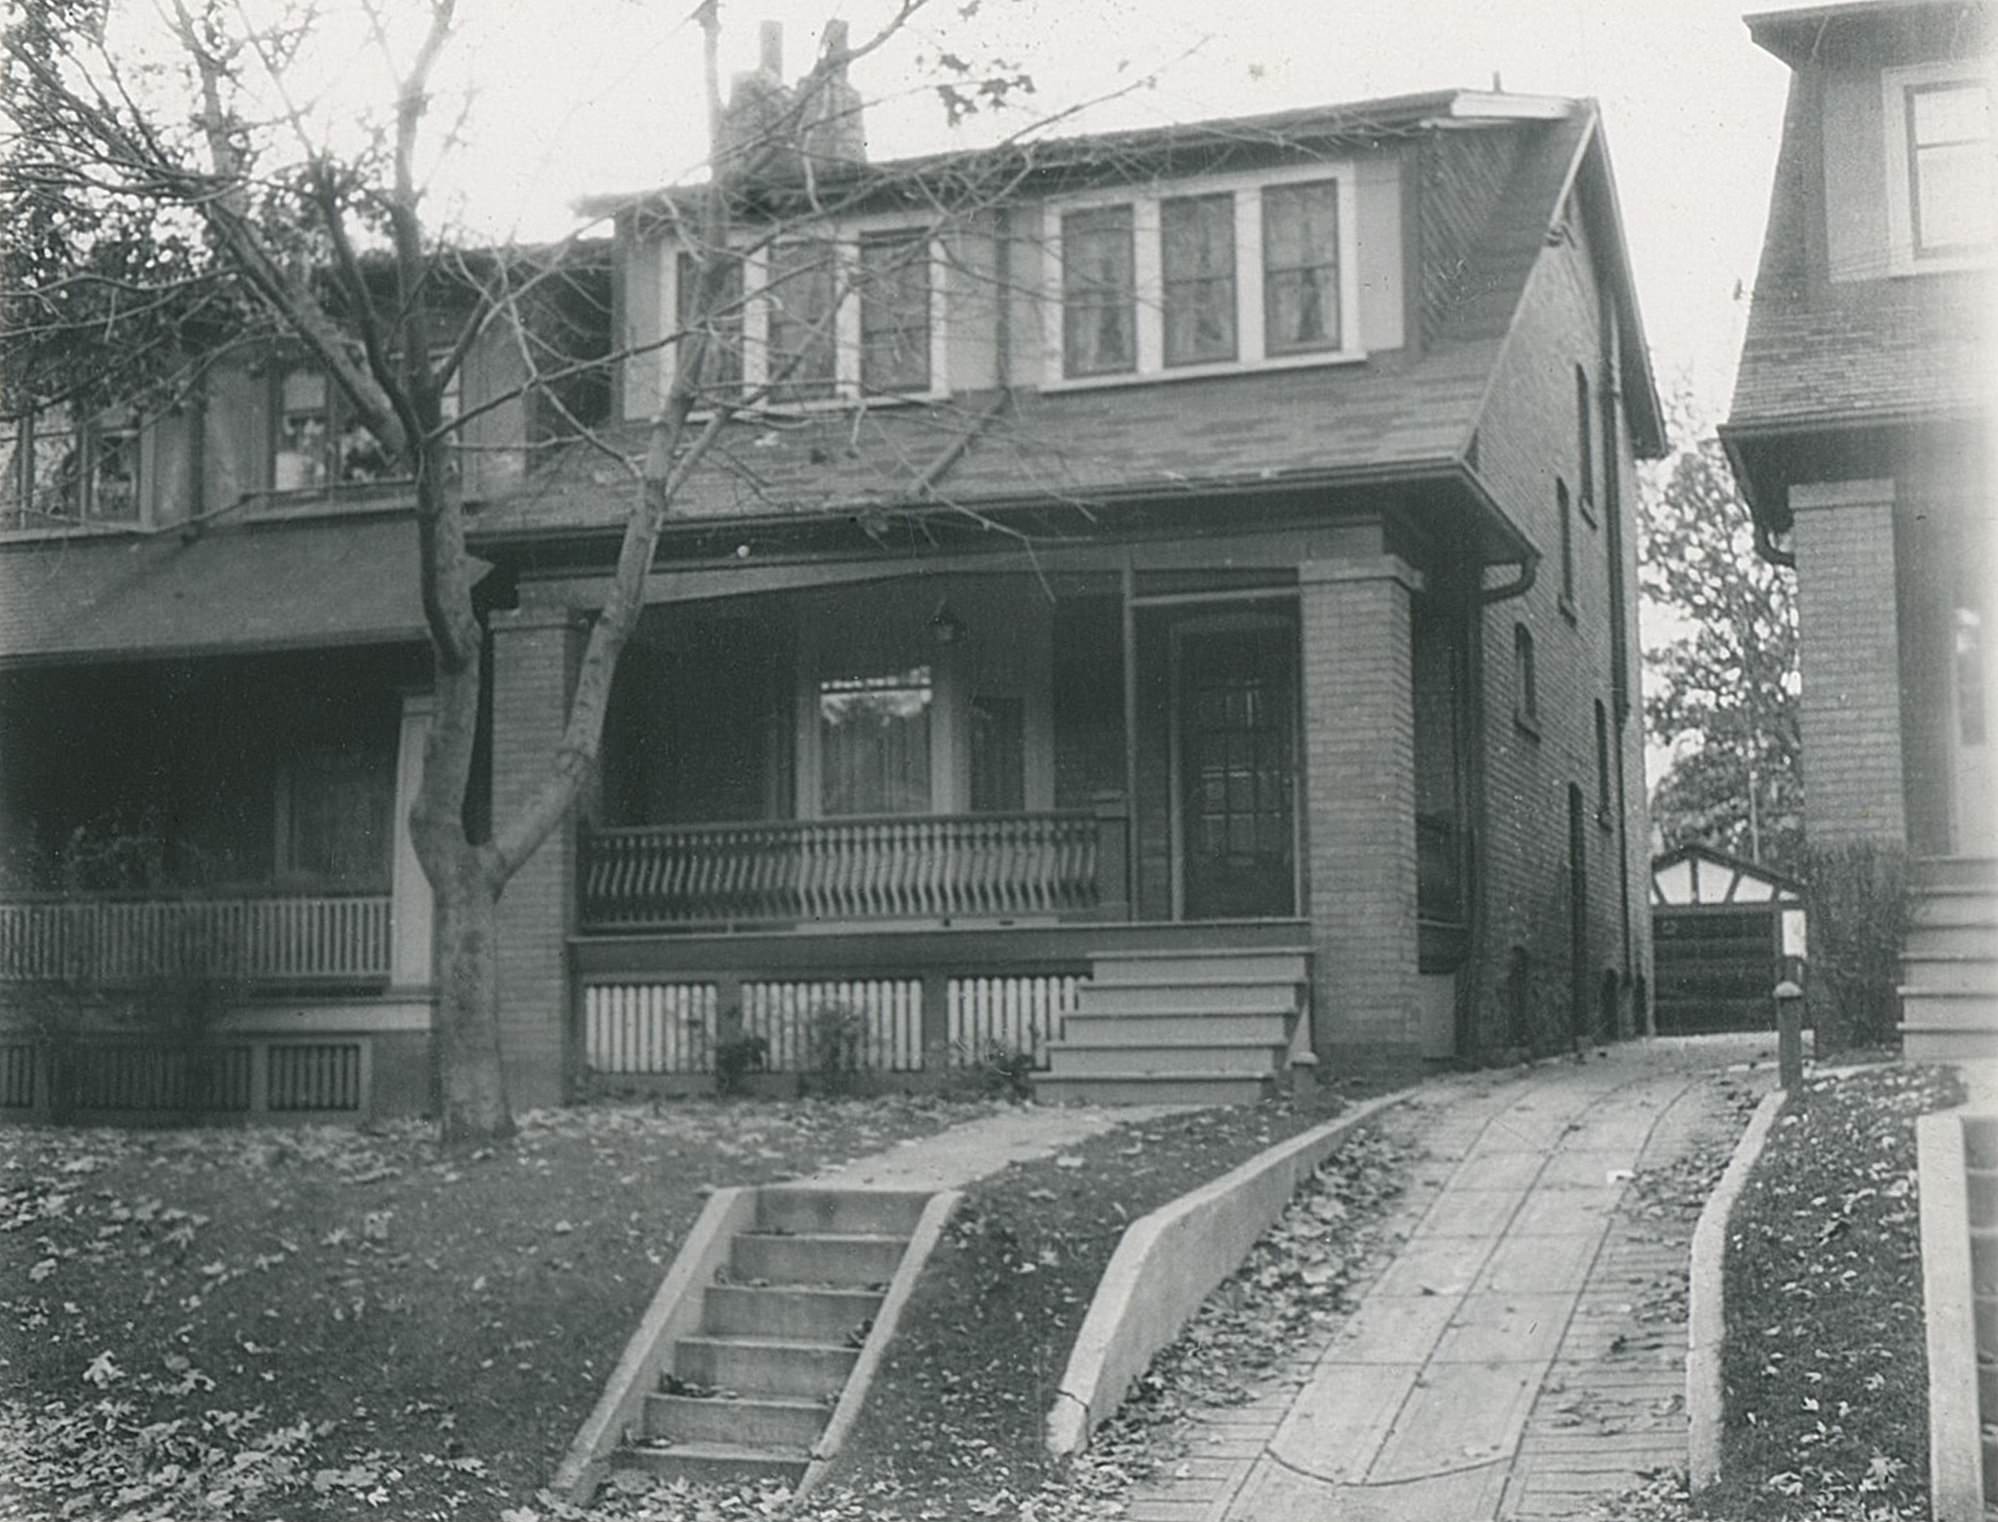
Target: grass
[[954, 1423], [327, 1323]]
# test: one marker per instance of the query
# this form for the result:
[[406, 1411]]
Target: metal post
[[1790, 1034]]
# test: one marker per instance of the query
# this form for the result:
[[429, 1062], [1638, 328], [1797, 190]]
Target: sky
[[574, 97]]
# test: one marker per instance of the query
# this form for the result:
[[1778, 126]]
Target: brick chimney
[[834, 129], [754, 122]]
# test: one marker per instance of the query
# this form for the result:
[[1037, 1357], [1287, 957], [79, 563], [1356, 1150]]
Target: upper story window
[[1564, 510], [1220, 274], [1585, 439], [1939, 182], [852, 312], [318, 442], [56, 473]]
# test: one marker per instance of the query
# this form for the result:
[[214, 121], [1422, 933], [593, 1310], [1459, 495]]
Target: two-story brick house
[[1154, 573], [1861, 436]]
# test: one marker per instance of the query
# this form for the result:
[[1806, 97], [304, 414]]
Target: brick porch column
[[534, 655], [1850, 652], [1359, 767]]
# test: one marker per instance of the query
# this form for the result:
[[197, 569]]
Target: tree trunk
[[474, 1084]]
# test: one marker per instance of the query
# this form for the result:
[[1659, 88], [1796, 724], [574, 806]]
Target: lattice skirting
[[117, 1077], [673, 1028]]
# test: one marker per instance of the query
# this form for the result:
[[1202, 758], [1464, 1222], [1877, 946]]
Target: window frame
[[1905, 255], [1146, 201], [338, 418], [753, 246], [1564, 511], [1585, 438], [1526, 681], [89, 434]]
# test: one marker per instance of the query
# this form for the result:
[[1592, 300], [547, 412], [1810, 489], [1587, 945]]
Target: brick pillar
[[534, 656], [1359, 768], [1851, 658]]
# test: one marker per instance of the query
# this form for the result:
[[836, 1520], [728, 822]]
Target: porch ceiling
[[331, 581]]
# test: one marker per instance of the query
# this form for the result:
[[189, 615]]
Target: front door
[[1237, 746]]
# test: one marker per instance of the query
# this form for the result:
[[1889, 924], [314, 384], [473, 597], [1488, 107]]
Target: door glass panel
[[1238, 776]]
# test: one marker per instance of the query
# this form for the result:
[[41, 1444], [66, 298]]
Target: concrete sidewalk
[[1523, 1351]]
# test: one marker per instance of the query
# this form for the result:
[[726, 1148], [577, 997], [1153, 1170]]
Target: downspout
[[1609, 365]]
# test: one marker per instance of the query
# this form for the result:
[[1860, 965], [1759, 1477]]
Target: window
[[874, 742], [894, 313], [1098, 292], [1585, 437], [721, 370], [1939, 186], [1197, 257], [1603, 811], [55, 473], [799, 294], [335, 815], [1301, 267], [319, 443], [1525, 688], [1565, 511], [1223, 273]]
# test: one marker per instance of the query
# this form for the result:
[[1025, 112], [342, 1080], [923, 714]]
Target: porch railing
[[342, 938], [909, 867]]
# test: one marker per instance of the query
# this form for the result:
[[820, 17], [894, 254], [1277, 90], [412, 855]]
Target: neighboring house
[[213, 700], [1169, 568], [1861, 435]]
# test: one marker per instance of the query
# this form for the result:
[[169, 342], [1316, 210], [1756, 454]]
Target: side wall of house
[[1529, 448]]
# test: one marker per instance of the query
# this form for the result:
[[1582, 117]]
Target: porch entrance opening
[[1973, 689], [1237, 755]]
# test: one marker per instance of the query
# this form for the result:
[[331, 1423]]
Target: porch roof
[[337, 580]]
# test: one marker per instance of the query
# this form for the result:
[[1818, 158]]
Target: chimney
[[754, 124], [834, 130]]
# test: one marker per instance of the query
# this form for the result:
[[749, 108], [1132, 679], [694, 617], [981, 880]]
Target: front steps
[[748, 1394], [1178, 1027], [1949, 966]]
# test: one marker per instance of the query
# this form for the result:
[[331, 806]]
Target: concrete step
[[804, 1315], [1148, 1088], [1152, 1030], [1256, 965], [1956, 872], [1189, 1059], [1950, 973], [1147, 997], [764, 1366], [759, 1424], [1964, 935], [715, 1463], [1942, 1043], [867, 1212], [853, 1260]]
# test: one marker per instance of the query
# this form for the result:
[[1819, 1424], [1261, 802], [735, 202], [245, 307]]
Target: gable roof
[[335, 580], [1404, 414]]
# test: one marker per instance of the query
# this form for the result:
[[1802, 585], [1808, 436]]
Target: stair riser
[[1952, 938], [712, 1471], [1174, 1061], [1957, 872], [1181, 998], [1246, 967], [1947, 1045], [751, 1370], [1981, 1190], [1952, 977], [1142, 1030], [747, 1423], [1931, 1009], [1126, 1091], [1984, 1263], [815, 1260], [801, 1315], [880, 1212]]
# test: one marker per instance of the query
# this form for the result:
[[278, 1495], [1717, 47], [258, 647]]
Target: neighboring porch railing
[[342, 938], [904, 867]]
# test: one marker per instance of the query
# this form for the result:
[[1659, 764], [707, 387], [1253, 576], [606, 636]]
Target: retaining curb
[[1706, 1321], [1956, 1462], [1169, 1261]]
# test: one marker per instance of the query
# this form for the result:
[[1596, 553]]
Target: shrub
[[736, 1057], [836, 1038], [1858, 898]]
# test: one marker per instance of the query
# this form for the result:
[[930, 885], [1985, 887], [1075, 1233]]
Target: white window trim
[[1250, 333], [846, 237], [1894, 85]]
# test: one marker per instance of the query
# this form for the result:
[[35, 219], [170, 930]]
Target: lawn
[[1825, 1369], [319, 1322]]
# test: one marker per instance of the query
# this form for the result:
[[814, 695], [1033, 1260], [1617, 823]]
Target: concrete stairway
[[1207, 1026], [750, 1393], [1949, 966]]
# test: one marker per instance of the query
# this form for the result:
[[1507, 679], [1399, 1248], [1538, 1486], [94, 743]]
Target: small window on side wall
[[1602, 763], [1525, 688], [1585, 439], [1565, 510]]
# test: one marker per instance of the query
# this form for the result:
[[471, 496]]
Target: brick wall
[[1850, 653], [1528, 441], [1359, 718], [534, 657]]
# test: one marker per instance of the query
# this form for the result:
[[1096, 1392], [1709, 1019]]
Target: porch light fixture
[[946, 628]]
